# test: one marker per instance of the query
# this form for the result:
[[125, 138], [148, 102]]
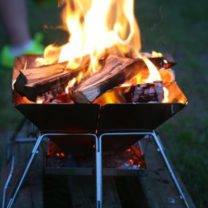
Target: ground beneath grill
[[152, 188], [31, 193]]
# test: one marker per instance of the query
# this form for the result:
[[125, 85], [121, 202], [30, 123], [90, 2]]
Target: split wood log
[[145, 93], [115, 71], [49, 79]]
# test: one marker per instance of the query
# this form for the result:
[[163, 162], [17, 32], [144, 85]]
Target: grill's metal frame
[[98, 149]]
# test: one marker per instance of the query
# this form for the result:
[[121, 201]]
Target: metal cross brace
[[98, 140]]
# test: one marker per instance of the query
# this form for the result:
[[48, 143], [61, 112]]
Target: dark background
[[178, 27]]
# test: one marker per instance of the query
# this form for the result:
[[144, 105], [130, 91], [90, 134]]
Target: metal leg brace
[[161, 150], [98, 141], [7, 183], [99, 172], [21, 180], [31, 159], [170, 169]]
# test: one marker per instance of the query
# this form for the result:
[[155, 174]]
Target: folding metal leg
[[170, 170], [21, 180], [98, 164], [11, 140], [7, 183], [99, 172]]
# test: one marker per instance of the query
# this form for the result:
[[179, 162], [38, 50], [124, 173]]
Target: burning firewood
[[144, 93], [115, 71], [50, 80]]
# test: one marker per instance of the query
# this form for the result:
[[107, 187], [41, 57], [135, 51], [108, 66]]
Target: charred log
[[145, 93], [115, 71], [166, 61], [49, 80]]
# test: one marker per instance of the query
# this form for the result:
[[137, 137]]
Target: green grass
[[180, 28]]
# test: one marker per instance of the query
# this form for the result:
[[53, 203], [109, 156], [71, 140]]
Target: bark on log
[[115, 71], [52, 79]]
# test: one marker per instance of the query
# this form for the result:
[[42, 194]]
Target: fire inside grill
[[101, 63], [99, 80]]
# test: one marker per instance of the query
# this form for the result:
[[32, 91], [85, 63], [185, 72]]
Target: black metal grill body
[[91, 118]]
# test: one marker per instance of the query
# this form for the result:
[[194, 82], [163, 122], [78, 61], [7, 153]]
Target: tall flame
[[95, 26], [154, 74], [98, 28]]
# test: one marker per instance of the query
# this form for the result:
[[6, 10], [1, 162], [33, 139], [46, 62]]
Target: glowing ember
[[166, 94], [39, 100]]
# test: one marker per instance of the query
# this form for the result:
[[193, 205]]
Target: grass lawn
[[180, 28]]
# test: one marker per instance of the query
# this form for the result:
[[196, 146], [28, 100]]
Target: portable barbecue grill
[[107, 123]]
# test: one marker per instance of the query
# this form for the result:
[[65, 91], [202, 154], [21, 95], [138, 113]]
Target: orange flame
[[94, 26], [154, 75], [98, 28]]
